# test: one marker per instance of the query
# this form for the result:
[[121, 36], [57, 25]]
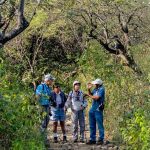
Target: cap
[[76, 82], [48, 77], [97, 81]]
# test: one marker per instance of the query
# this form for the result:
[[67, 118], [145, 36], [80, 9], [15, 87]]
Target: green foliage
[[125, 94], [56, 41], [19, 116], [135, 130]]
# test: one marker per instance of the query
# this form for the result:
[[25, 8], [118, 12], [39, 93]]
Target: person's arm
[[64, 101], [94, 97], [65, 98], [52, 100], [38, 92], [34, 86], [89, 86], [90, 94], [68, 101], [85, 103], [99, 94]]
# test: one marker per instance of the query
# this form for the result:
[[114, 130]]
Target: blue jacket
[[44, 92], [101, 93]]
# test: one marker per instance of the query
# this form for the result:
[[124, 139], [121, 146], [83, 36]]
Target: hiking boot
[[90, 142], [81, 140], [47, 143], [75, 141], [100, 142], [64, 139], [55, 140]]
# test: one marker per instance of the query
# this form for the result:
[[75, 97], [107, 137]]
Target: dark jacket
[[53, 100]]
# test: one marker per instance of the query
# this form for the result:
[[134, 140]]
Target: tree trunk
[[132, 64]]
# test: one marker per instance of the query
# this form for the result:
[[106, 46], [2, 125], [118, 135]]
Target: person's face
[[49, 82], [76, 87], [97, 86], [56, 89]]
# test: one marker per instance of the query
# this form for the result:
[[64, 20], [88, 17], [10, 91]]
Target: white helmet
[[76, 82], [97, 81]]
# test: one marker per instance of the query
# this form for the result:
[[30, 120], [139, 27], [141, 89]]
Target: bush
[[135, 128], [19, 116]]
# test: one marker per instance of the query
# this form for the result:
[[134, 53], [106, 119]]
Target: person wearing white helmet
[[96, 111], [43, 93], [78, 103]]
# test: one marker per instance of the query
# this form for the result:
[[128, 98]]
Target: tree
[[48, 44], [22, 22], [116, 26]]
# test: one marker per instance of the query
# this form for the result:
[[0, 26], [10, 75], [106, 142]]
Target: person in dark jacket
[[57, 102]]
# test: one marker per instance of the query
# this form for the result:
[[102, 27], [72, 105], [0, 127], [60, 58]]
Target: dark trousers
[[45, 116]]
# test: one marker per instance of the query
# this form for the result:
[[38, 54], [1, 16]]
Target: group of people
[[55, 104]]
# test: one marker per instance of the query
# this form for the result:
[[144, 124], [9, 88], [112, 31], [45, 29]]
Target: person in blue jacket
[[96, 111], [57, 102], [43, 93]]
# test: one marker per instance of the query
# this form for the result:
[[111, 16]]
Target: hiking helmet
[[76, 82], [97, 81]]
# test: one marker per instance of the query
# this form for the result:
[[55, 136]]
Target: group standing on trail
[[54, 104]]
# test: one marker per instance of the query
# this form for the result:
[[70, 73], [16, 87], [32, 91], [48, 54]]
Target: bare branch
[[22, 24], [2, 2]]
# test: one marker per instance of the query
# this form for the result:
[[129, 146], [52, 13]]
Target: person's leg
[[62, 124], [62, 118], [92, 122], [75, 125], [55, 123], [99, 120], [45, 116], [82, 124], [55, 127]]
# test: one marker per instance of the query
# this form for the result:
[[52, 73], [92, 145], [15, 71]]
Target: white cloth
[[58, 99]]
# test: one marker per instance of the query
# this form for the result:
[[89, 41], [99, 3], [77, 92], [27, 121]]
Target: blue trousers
[[96, 117]]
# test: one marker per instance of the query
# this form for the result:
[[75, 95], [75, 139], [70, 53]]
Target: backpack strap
[[71, 93], [80, 92], [42, 87]]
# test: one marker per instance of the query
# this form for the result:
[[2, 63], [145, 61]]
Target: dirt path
[[75, 146]]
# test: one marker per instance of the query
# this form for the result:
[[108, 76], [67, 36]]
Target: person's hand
[[50, 114], [53, 104], [85, 95], [73, 110], [82, 107], [89, 86], [65, 109]]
